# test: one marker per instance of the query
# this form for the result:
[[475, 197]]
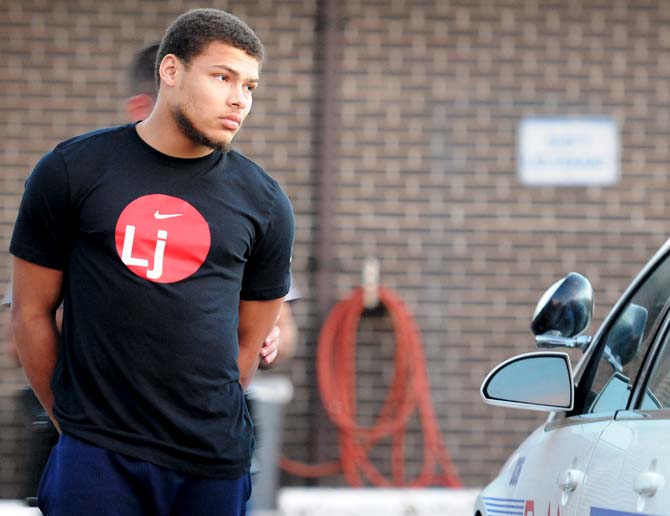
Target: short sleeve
[[267, 272], [42, 234]]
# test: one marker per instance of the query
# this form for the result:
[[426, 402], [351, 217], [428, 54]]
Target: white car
[[605, 447]]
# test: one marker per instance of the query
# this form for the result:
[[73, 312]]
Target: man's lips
[[231, 122]]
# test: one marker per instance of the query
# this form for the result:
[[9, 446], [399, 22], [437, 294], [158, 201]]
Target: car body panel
[[533, 472]]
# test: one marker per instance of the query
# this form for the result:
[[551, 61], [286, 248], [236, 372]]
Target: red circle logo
[[162, 238]]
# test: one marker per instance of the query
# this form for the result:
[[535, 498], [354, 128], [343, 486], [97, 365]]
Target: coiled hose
[[409, 391]]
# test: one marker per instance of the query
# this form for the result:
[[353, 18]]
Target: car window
[[623, 347], [657, 394]]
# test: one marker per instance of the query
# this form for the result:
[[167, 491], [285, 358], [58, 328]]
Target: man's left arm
[[265, 282], [256, 320]]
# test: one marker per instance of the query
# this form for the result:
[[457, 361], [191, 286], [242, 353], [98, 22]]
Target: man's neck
[[161, 132]]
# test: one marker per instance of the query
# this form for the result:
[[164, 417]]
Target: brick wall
[[430, 97]]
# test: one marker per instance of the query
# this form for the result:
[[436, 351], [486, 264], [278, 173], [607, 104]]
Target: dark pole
[[328, 48]]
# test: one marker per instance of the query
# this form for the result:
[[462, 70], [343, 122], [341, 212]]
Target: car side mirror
[[534, 381], [563, 312]]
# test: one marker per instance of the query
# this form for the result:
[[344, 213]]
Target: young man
[[171, 253], [142, 93]]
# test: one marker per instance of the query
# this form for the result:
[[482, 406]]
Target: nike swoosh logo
[[161, 216]]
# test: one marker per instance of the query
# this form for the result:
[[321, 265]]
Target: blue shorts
[[84, 480]]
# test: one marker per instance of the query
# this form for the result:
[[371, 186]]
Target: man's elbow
[[16, 319], [25, 322], [17, 327]]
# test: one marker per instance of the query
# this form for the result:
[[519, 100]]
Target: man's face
[[213, 95]]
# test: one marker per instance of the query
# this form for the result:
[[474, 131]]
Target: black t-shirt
[[157, 253]]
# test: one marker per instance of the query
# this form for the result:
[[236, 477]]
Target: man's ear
[[168, 69], [139, 107]]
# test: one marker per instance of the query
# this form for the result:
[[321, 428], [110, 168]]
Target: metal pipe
[[328, 45]]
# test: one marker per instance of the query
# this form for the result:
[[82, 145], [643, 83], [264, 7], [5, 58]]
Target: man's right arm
[[36, 296]]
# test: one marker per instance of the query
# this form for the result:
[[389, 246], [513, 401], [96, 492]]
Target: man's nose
[[238, 99]]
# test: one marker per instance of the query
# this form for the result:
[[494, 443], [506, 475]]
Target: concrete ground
[[16, 508], [343, 502], [363, 502]]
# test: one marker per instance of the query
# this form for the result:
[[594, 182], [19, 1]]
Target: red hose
[[409, 392]]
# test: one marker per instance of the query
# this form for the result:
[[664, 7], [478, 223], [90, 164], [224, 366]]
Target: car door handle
[[569, 479], [647, 484]]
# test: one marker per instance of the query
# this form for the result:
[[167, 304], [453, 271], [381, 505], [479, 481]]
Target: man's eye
[[251, 87], [222, 77]]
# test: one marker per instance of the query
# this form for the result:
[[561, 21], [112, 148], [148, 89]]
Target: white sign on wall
[[564, 151]]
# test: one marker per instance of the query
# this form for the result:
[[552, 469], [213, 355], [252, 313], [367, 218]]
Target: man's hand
[[270, 348]]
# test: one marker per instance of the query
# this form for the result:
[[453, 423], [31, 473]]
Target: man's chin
[[222, 146], [214, 143], [218, 141]]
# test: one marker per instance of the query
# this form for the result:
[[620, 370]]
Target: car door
[[631, 467], [555, 455], [631, 459]]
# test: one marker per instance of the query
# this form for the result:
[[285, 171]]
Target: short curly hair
[[190, 33]]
